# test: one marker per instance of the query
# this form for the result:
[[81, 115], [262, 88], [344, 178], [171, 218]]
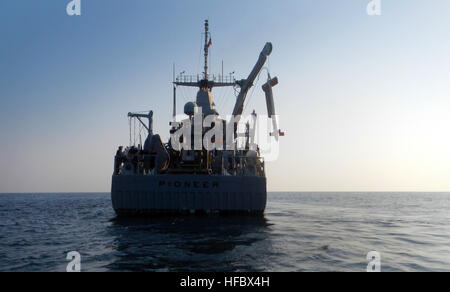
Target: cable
[[134, 132], [200, 53], [226, 98], [140, 137], [129, 123], [253, 89]]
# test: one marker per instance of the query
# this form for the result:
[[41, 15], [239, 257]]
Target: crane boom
[[267, 88], [149, 116], [246, 84]]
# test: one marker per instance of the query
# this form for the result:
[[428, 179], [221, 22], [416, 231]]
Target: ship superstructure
[[208, 165]]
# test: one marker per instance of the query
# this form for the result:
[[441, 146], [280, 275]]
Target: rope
[[129, 123], [134, 132], [200, 53], [220, 99], [140, 137], [226, 99], [253, 89]]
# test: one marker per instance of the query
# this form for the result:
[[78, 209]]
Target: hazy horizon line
[[372, 192]]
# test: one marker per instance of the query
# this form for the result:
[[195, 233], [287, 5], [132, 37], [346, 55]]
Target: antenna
[[204, 82], [173, 73], [207, 44], [174, 113]]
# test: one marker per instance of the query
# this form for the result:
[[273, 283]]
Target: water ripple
[[299, 232]]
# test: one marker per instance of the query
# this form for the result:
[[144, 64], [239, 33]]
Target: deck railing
[[235, 165], [196, 78]]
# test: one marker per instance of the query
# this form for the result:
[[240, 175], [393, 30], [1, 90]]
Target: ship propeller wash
[[208, 165]]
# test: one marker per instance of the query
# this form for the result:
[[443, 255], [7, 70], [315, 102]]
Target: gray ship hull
[[162, 194]]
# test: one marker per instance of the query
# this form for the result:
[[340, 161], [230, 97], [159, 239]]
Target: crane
[[246, 84]]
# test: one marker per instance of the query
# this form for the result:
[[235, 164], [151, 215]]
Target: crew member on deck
[[118, 160]]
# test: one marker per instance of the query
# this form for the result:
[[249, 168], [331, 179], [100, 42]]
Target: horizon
[[363, 100], [269, 192]]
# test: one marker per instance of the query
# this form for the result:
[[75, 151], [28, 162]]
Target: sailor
[[118, 160], [133, 157]]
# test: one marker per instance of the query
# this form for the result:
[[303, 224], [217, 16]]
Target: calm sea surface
[[299, 232]]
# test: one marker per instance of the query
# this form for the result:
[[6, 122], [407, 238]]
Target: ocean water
[[299, 232]]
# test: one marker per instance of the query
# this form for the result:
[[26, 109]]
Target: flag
[[210, 42]]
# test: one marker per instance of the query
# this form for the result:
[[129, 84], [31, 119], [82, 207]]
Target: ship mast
[[204, 80], [207, 44]]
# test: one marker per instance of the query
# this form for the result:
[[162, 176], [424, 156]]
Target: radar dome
[[190, 108]]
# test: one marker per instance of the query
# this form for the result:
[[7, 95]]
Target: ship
[[208, 166]]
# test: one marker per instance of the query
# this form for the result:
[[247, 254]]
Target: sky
[[364, 100]]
